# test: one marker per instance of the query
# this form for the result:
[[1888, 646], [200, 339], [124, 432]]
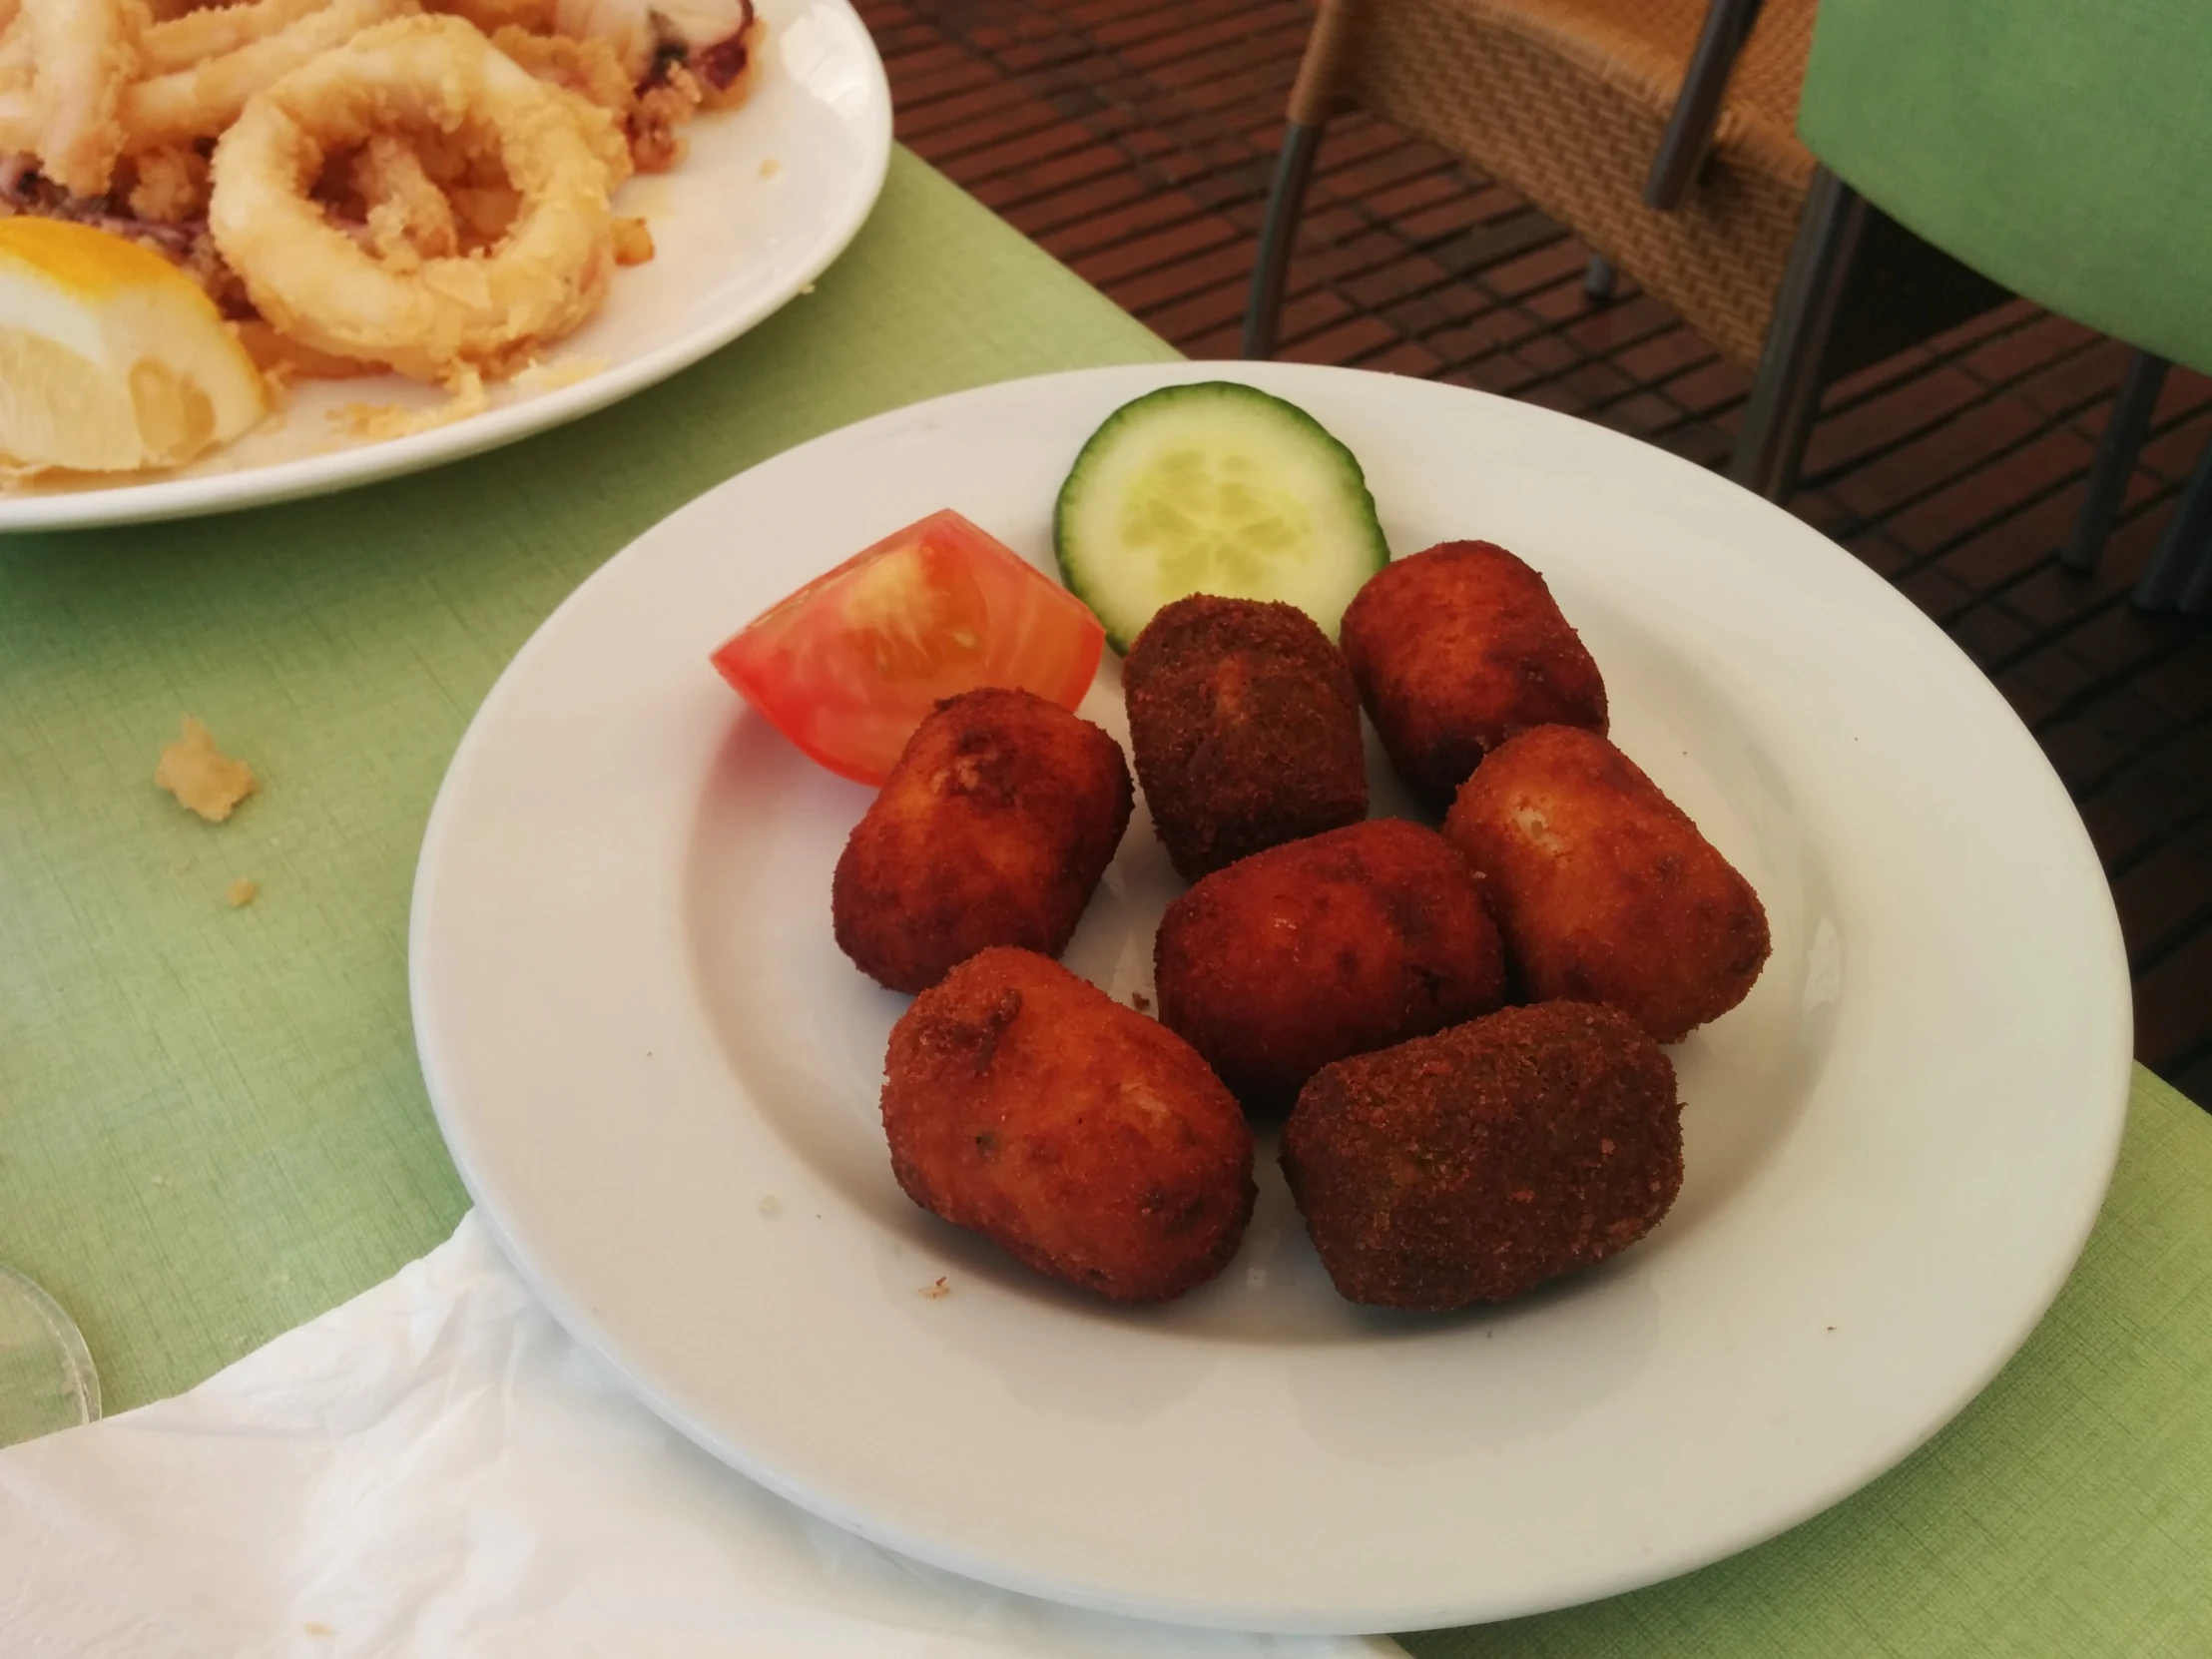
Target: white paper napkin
[[436, 1468]]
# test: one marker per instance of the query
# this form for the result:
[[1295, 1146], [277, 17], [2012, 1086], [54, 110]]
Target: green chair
[[2063, 147]]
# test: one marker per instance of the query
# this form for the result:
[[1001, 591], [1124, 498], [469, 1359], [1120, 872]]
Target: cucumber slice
[[1214, 488]]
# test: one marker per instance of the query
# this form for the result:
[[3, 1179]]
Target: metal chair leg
[[1294, 169], [1598, 278], [2180, 574], [2115, 463], [1787, 392]]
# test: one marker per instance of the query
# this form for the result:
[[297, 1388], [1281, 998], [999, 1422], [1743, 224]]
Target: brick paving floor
[[1133, 138]]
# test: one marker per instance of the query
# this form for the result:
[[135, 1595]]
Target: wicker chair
[[1663, 133]]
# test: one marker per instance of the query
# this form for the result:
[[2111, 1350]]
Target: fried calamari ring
[[195, 36], [590, 76], [408, 219], [452, 315], [167, 186], [205, 96], [488, 15], [81, 54]]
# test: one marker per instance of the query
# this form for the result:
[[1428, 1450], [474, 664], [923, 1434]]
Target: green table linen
[[211, 1124]]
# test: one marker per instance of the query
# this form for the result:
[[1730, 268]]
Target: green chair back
[[2063, 147]]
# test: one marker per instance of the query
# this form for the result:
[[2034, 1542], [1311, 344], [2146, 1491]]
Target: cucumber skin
[[1190, 392]]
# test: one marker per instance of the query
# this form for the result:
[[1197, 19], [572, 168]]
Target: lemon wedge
[[111, 358]]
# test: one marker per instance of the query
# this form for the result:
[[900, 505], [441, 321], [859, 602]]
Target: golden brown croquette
[[1476, 1164], [994, 827], [1244, 727], [1603, 888], [1089, 1142], [1455, 650], [1319, 948]]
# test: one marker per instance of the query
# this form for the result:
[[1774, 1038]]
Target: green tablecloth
[[211, 1126]]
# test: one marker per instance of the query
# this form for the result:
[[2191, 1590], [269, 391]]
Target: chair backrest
[[2063, 147]]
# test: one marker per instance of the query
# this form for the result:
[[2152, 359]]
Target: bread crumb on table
[[201, 776], [243, 892]]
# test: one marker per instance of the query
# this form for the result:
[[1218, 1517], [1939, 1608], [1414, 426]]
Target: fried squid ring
[[193, 37], [81, 53], [487, 15], [408, 219], [450, 316], [205, 96]]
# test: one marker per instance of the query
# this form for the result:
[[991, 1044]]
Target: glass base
[[46, 1378]]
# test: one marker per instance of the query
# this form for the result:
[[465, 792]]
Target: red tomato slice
[[848, 664]]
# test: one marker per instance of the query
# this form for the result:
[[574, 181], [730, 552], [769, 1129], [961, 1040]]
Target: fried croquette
[[1087, 1141], [1322, 949], [1455, 650], [994, 827], [1476, 1164], [1246, 729], [1603, 888]]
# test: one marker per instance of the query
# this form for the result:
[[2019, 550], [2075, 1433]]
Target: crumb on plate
[[382, 423], [243, 892], [201, 776], [936, 1289], [568, 372], [633, 242]]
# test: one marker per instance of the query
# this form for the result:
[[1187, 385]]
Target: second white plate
[[770, 193], [659, 1077]]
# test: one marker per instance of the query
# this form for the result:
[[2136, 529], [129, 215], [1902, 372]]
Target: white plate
[[659, 1077], [770, 193]]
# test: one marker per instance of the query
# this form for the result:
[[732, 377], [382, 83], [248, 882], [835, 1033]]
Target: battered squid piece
[[1246, 729], [994, 827], [1476, 1164], [1455, 650], [1085, 1140], [1603, 888], [1325, 948]]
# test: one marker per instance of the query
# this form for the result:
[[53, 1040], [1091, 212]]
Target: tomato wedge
[[848, 664]]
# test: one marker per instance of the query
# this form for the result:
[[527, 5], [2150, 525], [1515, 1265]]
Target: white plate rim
[[162, 498], [2061, 1243]]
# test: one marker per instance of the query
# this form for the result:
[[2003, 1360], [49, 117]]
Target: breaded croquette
[[1325, 947], [1086, 1140], [1603, 888], [1455, 650], [1244, 727], [1476, 1164], [994, 827]]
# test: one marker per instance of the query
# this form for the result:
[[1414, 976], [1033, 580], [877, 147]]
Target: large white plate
[[770, 193], [659, 1077]]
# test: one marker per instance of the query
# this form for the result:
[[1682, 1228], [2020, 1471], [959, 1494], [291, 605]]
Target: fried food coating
[[1476, 1164], [994, 827], [1325, 947], [1455, 650], [1246, 729], [1603, 888], [1087, 1141]]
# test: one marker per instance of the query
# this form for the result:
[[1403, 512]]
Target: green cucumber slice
[[1214, 488]]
